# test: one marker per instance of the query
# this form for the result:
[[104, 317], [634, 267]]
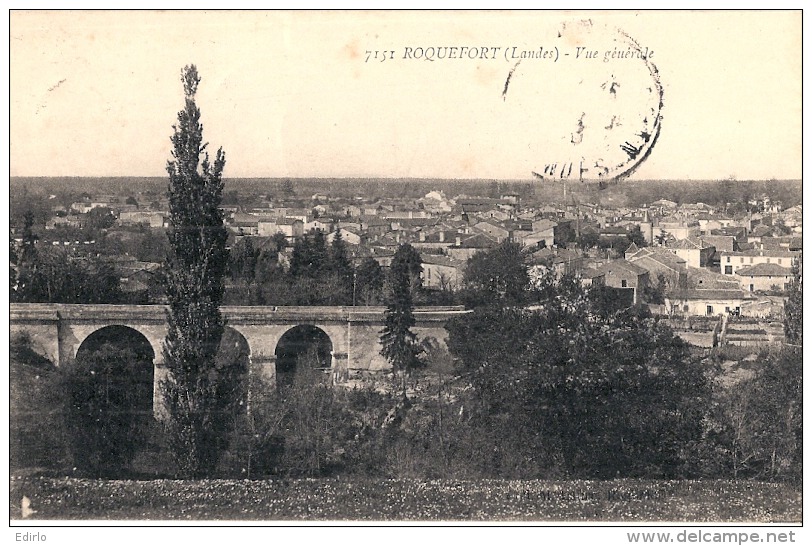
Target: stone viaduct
[[58, 331]]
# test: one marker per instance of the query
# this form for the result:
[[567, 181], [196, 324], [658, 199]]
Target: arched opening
[[232, 361], [135, 355], [110, 390], [304, 347]]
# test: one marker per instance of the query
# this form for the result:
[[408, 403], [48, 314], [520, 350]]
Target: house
[[472, 205], [152, 219], [410, 224], [709, 222], [703, 302], [81, 207], [541, 231], [694, 251], [245, 224], [738, 233], [623, 274], [304, 215], [292, 228], [352, 223], [611, 234], [722, 243], [542, 224], [561, 261], [374, 226], [496, 214], [659, 261], [352, 211], [768, 307], [707, 279], [731, 261], [537, 239], [796, 244], [764, 277], [442, 272], [436, 202], [679, 228], [437, 239], [383, 255], [316, 225], [349, 235], [591, 277], [405, 215], [494, 230], [758, 233], [466, 246]]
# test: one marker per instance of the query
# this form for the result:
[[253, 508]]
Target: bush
[[109, 406], [597, 395], [36, 432], [760, 420], [300, 429]]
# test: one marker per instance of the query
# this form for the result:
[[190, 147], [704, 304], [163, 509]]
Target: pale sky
[[290, 94]]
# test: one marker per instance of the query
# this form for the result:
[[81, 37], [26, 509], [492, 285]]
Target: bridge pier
[[160, 374], [261, 377], [339, 368]]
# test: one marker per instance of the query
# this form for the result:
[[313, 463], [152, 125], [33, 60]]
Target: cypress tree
[[340, 268], [400, 345], [197, 264]]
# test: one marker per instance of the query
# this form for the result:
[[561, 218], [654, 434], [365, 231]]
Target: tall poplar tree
[[198, 420], [400, 345]]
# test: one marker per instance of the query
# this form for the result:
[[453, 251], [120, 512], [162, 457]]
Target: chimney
[[422, 236], [458, 241], [442, 236]]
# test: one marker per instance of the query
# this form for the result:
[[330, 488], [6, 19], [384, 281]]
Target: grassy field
[[408, 500]]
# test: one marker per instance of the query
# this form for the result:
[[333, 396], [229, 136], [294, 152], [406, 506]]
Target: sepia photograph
[[441, 268]]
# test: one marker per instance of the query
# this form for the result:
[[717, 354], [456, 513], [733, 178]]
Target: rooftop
[[764, 270]]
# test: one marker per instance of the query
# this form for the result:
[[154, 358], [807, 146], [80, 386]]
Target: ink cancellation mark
[[599, 118]]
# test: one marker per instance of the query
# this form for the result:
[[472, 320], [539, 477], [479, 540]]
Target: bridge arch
[[141, 376], [233, 361], [303, 345], [119, 335]]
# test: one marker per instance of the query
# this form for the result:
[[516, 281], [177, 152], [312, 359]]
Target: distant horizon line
[[535, 180]]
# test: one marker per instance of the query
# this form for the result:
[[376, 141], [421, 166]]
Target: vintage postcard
[[485, 267]]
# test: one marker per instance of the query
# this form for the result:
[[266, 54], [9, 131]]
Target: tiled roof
[[659, 255], [763, 270], [441, 260], [765, 253], [622, 264], [689, 244], [589, 273], [480, 240], [721, 242], [700, 294]]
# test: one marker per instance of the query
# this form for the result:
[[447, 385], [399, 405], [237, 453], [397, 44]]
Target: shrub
[[108, 406], [36, 431]]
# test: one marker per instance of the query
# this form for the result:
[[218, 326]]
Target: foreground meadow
[[408, 500]]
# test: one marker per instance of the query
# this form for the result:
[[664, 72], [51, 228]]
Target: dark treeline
[[318, 273], [545, 378], [33, 193]]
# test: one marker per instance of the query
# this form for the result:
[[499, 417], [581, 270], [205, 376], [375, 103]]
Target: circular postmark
[[595, 113]]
